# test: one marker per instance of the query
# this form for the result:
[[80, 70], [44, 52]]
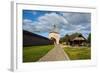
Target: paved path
[[56, 54]]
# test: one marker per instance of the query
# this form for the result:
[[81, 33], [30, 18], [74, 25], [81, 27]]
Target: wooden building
[[77, 39], [31, 39]]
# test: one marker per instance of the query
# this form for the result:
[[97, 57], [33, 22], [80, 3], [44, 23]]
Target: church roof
[[76, 36]]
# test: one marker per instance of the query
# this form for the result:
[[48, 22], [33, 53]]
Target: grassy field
[[34, 53], [78, 53]]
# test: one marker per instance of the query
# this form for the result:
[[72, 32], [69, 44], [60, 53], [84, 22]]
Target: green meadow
[[78, 53], [34, 53]]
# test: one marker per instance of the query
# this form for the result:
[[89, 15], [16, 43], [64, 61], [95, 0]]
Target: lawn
[[34, 53], [78, 53]]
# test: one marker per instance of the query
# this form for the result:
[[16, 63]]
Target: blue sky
[[41, 22]]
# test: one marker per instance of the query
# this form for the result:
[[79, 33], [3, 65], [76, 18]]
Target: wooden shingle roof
[[76, 36]]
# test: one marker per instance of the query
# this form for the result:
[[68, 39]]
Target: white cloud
[[65, 22], [53, 18], [27, 21], [46, 22]]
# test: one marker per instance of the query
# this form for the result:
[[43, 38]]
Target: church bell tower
[[54, 35]]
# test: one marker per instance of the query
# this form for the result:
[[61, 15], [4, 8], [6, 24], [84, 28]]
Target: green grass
[[78, 53], [34, 53]]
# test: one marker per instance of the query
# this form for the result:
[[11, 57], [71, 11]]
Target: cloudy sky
[[42, 22]]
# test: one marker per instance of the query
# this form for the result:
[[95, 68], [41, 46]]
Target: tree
[[65, 39], [89, 38]]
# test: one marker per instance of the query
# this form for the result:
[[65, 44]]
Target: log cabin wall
[[31, 39]]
